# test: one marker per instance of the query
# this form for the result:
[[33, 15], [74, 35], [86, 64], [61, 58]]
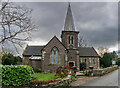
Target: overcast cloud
[[96, 21]]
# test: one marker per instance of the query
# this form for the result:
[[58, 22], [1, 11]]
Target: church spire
[[69, 24]]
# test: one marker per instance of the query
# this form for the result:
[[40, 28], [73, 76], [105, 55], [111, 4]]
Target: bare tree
[[3, 5], [102, 50], [82, 42], [16, 24]]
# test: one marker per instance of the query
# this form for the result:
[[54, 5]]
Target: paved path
[[110, 79], [81, 80]]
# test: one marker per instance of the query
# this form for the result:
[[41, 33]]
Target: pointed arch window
[[55, 56]]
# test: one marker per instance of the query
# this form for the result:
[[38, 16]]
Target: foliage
[[36, 70], [118, 62], [106, 60], [87, 73], [101, 67], [63, 71], [16, 75], [44, 77], [10, 59], [74, 69], [73, 77], [114, 55], [26, 62], [82, 66]]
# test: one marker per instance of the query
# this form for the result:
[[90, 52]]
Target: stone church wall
[[89, 61], [47, 66]]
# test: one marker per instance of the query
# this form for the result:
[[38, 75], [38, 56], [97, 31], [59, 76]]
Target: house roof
[[33, 50], [87, 51]]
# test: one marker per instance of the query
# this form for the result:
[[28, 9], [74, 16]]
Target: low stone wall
[[100, 72], [63, 82]]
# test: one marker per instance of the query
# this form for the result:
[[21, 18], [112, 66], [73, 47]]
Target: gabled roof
[[37, 50], [58, 41], [87, 51], [33, 50]]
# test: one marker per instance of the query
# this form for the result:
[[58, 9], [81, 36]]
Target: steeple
[[69, 24]]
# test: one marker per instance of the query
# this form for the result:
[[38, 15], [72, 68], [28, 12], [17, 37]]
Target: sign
[[113, 62]]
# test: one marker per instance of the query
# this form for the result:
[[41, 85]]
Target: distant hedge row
[[16, 75]]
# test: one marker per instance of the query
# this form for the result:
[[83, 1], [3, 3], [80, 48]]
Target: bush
[[10, 59], [74, 69], [36, 70], [106, 60], [16, 75], [73, 77], [118, 62], [87, 73], [63, 71], [82, 66]]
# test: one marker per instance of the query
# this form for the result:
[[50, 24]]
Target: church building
[[58, 53]]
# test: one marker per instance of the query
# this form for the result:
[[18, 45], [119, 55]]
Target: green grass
[[49, 76]]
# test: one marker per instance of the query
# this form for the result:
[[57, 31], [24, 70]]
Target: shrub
[[26, 62], [118, 62], [16, 75], [74, 69], [10, 59], [87, 73], [36, 70], [82, 66], [63, 71], [73, 77]]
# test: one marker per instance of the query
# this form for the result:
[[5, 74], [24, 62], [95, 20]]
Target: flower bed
[[63, 71]]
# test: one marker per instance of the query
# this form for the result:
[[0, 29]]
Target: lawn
[[49, 76]]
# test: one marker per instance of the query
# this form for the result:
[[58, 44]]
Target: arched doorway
[[71, 64]]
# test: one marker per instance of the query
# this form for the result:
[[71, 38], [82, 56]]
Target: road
[[110, 79]]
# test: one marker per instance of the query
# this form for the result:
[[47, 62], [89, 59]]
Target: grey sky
[[96, 21]]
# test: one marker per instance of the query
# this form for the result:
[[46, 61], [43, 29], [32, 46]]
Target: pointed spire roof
[[69, 24]]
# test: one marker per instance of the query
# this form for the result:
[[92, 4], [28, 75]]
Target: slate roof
[[87, 51], [36, 50], [33, 50], [69, 23]]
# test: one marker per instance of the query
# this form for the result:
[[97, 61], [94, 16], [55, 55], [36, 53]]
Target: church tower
[[70, 38], [69, 35]]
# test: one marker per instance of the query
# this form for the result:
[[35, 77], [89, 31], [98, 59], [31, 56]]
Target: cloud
[[96, 21]]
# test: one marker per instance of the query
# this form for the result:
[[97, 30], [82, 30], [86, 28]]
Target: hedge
[[16, 75]]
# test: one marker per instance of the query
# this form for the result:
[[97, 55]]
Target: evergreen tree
[[10, 59]]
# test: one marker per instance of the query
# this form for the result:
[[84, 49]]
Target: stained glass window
[[55, 56]]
